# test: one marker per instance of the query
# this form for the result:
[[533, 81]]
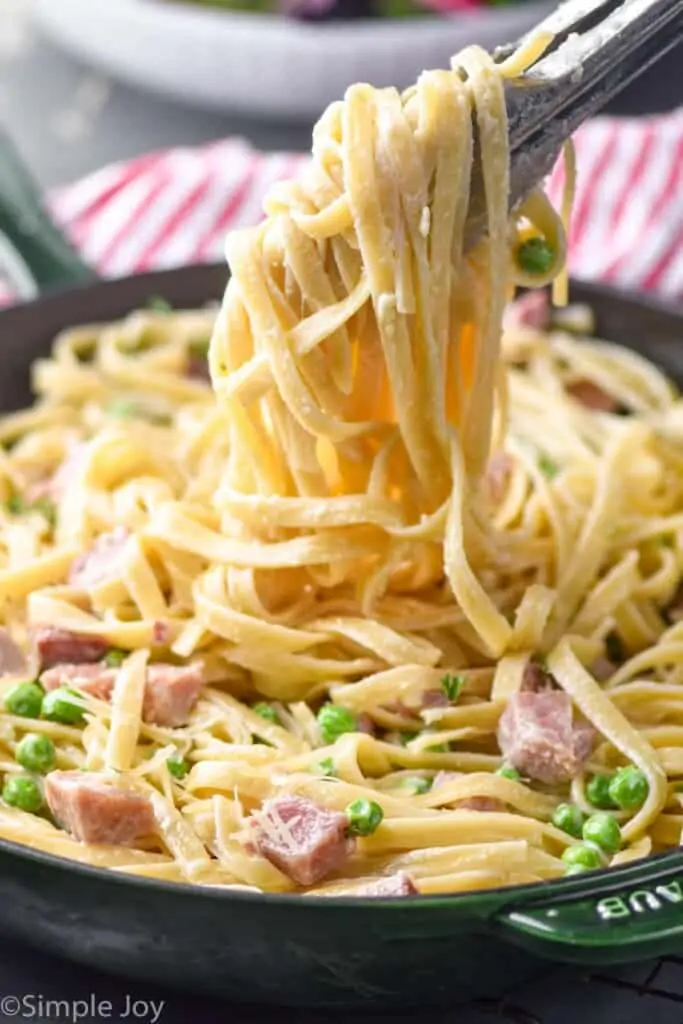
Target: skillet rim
[[595, 883]]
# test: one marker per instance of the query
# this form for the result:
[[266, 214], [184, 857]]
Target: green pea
[[266, 711], [535, 256], [506, 771], [16, 506], [65, 706], [47, 509], [569, 819], [123, 408], [200, 348], [629, 788], [25, 699], [603, 831], [36, 753], [115, 657], [23, 792], [452, 686], [416, 785], [576, 869], [178, 767], [598, 792], [404, 738], [157, 304], [325, 768], [364, 817], [335, 720], [548, 468], [587, 856]]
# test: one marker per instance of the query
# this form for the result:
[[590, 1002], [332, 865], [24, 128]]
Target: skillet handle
[[34, 254], [597, 919]]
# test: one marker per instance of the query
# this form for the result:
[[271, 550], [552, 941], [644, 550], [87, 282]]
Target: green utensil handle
[[34, 254], [600, 918]]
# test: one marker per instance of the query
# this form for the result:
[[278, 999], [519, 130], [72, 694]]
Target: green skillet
[[293, 949]]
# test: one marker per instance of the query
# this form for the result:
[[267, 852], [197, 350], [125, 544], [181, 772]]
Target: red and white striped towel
[[175, 207]]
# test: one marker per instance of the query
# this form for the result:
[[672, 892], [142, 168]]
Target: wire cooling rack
[[647, 993]]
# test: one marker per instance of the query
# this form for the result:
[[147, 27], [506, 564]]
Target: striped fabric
[[166, 209]]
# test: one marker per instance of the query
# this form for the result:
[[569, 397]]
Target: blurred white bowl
[[261, 64]]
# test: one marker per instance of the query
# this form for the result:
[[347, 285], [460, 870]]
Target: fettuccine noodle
[[377, 509]]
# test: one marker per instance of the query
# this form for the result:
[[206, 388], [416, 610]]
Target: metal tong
[[600, 46], [598, 49]]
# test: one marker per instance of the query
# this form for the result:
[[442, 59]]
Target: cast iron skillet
[[291, 949]]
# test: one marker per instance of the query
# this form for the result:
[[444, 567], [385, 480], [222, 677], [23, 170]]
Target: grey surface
[[630, 996], [68, 120]]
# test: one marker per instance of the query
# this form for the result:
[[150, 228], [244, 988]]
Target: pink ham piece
[[536, 735], [602, 668], [364, 723], [12, 658], [397, 707], [497, 476], [161, 633], [55, 646], [171, 691], [304, 841], [95, 811], [399, 884], [102, 561], [95, 680], [198, 369], [535, 679], [56, 486], [592, 396], [531, 310], [481, 803], [435, 699], [429, 699]]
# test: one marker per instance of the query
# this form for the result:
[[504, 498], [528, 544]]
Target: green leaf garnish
[[452, 686]]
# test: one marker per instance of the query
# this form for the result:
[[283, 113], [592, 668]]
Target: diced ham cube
[[397, 707], [584, 740], [171, 692], [198, 368], [602, 668], [497, 476], [96, 680], [304, 841], [530, 310], [94, 810], [57, 486], [161, 633], [535, 679], [435, 699], [102, 561], [536, 735], [55, 646], [481, 803], [12, 658], [592, 396], [400, 884]]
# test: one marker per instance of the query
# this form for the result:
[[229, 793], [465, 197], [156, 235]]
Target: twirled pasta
[[336, 522]]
